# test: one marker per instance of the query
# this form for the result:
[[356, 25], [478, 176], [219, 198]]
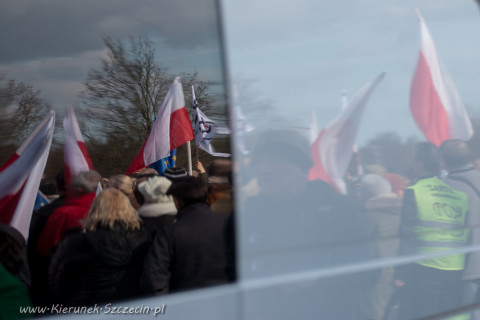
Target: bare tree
[[21, 108], [123, 97], [389, 150]]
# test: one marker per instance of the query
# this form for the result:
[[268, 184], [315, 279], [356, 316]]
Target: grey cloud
[[54, 28]]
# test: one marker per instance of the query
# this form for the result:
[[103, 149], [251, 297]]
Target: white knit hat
[[154, 190]]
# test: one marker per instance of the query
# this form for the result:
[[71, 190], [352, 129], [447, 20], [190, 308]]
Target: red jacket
[[64, 218]]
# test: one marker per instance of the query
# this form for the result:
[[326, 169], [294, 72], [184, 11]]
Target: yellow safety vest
[[440, 222]]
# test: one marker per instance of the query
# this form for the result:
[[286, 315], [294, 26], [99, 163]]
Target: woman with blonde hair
[[103, 263], [125, 184]]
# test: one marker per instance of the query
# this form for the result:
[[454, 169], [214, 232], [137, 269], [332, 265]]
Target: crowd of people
[[417, 234], [149, 234], [103, 240]]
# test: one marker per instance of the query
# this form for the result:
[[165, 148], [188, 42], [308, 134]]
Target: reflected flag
[[434, 101], [172, 128], [20, 176], [75, 153], [333, 148]]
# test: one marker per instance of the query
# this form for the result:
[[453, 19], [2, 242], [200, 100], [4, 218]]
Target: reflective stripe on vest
[[440, 225]]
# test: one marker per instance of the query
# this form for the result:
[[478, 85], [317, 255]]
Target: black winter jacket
[[187, 254], [98, 266]]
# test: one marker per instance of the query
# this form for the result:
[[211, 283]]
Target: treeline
[[119, 103]]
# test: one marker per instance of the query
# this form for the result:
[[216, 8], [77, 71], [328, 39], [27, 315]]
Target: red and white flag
[[333, 148], [75, 153], [171, 129], [20, 176], [434, 101]]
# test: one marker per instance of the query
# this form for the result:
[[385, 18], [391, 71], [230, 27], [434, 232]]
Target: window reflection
[[385, 233]]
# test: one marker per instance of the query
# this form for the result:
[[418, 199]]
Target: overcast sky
[[302, 54], [52, 44], [295, 56]]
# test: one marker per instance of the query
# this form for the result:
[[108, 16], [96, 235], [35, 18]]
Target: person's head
[[122, 182], [375, 169], [188, 190], [49, 190], [146, 173], [85, 182], [142, 175], [154, 190], [455, 153], [373, 185], [427, 160], [110, 207], [398, 183], [175, 173], [220, 176]]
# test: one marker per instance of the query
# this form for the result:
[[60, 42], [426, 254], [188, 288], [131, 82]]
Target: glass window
[[338, 206]]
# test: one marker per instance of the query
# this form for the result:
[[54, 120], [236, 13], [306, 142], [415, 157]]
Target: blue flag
[[40, 201], [168, 162]]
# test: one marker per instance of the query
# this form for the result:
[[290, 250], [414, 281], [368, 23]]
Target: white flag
[[333, 148], [20, 176], [206, 129], [75, 153]]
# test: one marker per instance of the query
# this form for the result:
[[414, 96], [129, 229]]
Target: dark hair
[[12, 250], [60, 181], [455, 153], [189, 190], [48, 189], [427, 153]]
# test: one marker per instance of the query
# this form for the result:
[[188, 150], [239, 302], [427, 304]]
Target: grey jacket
[[467, 179]]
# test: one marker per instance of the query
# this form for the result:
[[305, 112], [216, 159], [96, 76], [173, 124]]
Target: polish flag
[[434, 101], [75, 153], [20, 176], [333, 148], [171, 129]]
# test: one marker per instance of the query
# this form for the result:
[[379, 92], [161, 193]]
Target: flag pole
[[189, 156]]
